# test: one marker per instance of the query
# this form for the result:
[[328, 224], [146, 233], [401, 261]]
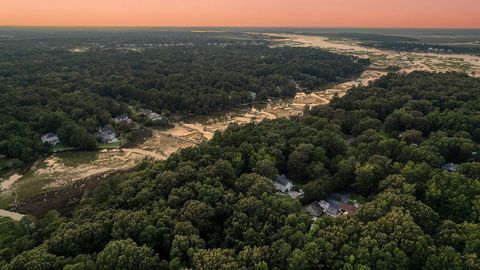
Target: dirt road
[[12, 215]]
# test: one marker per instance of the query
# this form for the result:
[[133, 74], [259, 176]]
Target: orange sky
[[279, 13]]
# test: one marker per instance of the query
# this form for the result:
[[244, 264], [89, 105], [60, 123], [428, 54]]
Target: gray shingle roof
[[282, 180]]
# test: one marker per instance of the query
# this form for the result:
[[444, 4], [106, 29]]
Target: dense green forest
[[45, 86], [214, 206]]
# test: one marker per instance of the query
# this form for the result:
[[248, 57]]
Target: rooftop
[[282, 180], [451, 167]]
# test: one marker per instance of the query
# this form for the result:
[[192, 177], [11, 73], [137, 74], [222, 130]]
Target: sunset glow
[[278, 13]]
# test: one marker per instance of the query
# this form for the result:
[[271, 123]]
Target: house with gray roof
[[283, 184], [449, 167], [50, 138], [151, 115], [335, 205], [106, 135], [122, 119]]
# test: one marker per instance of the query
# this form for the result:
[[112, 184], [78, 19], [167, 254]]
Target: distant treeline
[[364, 36], [400, 43], [422, 47]]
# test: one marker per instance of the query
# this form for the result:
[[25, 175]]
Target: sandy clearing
[[146, 153], [201, 129], [270, 116], [407, 61], [12, 215], [56, 172], [7, 184]]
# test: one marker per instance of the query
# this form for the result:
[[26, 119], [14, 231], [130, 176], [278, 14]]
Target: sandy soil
[[54, 171], [407, 61], [12, 215], [7, 183]]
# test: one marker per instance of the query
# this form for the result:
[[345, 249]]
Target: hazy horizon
[[412, 14]]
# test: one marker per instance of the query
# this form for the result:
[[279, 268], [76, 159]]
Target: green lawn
[[114, 145], [61, 148], [76, 158]]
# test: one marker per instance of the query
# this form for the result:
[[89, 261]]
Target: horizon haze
[[249, 13]]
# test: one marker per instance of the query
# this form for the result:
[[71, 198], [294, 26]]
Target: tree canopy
[[214, 206]]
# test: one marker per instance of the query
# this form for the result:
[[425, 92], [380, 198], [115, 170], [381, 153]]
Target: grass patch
[[27, 186], [72, 159], [114, 145], [32, 184], [61, 148]]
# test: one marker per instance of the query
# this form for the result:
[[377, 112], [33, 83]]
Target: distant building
[[253, 95], [450, 167], [106, 135], [153, 116], [50, 138], [336, 208], [330, 208], [335, 205], [122, 119], [314, 209], [145, 112], [282, 184]]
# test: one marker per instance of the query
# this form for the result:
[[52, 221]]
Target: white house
[[106, 135], [153, 116], [282, 184], [122, 119], [50, 138]]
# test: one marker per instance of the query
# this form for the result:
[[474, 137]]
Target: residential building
[[283, 184], [151, 115], [106, 135], [122, 119], [50, 138], [145, 112], [337, 204], [253, 95], [450, 167]]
